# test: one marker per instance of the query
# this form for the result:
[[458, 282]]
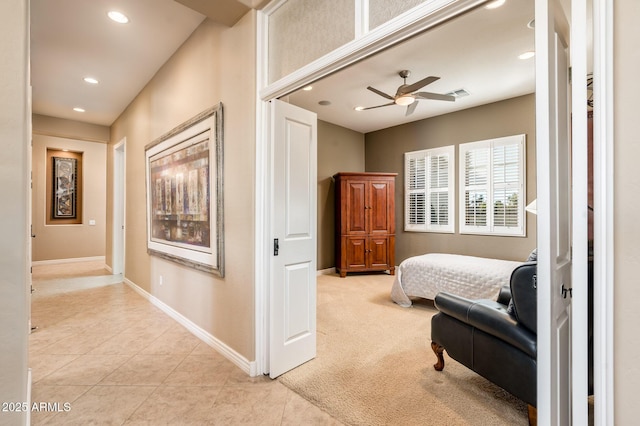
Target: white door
[[553, 219], [292, 317]]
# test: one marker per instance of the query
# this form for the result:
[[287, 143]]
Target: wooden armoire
[[365, 222]]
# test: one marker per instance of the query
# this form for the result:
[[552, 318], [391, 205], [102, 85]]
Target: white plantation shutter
[[429, 185], [416, 190], [492, 186]]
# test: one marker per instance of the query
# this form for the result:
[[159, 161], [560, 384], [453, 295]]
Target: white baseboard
[[69, 260], [244, 364]]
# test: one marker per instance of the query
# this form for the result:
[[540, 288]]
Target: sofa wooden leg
[[533, 415], [438, 349]]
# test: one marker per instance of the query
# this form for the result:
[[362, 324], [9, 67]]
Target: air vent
[[460, 93]]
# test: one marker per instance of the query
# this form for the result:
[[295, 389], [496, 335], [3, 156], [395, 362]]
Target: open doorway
[[360, 79]]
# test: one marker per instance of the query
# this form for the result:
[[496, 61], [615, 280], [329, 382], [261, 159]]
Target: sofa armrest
[[453, 305], [490, 317]]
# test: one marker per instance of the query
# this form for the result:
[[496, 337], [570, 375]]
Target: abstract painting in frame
[[64, 187], [184, 193]]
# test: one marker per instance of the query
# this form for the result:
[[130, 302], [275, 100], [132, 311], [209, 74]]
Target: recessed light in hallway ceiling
[[118, 17]]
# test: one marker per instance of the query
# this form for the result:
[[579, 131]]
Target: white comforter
[[472, 277]]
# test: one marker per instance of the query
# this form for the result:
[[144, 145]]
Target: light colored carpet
[[374, 364]]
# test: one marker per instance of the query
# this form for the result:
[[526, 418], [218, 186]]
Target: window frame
[[427, 155], [490, 228]]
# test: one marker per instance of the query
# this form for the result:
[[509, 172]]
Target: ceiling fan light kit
[[405, 100], [406, 94]]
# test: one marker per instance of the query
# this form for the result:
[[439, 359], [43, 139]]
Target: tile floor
[[102, 354]]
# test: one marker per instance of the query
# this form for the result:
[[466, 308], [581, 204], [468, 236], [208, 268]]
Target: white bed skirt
[[468, 276]]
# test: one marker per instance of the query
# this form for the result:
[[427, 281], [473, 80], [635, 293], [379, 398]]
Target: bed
[[468, 276]]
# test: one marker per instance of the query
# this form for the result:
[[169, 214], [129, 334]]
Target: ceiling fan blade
[[378, 106], [411, 108], [435, 96], [384, 95], [417, 85]]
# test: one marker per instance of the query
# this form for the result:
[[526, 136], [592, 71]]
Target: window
[[429, 185], [492, 186]]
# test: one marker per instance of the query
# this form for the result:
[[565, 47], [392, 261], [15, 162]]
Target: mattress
[[468, 276]]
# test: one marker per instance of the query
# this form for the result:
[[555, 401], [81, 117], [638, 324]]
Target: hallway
[[102, 354]]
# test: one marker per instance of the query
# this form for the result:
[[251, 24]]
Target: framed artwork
[[184, 172], [64, 187]]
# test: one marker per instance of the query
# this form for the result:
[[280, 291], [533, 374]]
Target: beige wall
[[216, 64], [53, 242], [627, 204], [339, 150], [14, 226], [385, 153], [70, 129]]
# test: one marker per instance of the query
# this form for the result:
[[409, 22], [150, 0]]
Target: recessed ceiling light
[[90, 80], [494, 4], [527, 55], [118, 17], [78, 109], [324, 103], [359, 108], [306, 89]]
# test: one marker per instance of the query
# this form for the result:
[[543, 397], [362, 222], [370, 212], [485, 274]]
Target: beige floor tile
[[79, 344], [250, 405], [43, 365], [103, 405], [156, 326], [177, 406], [85, 370], [172, 342], [144, 370], [118, 359], [49, 399], [125, 344], [40, 339], [201, 370]]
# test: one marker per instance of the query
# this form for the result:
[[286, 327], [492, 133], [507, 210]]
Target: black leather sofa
[[495, 340], [498, 339]]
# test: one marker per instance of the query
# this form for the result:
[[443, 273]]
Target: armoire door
[[378, 207], [355, 206]]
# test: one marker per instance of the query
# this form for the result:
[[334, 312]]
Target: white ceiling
[[72, 39], [477, 52]]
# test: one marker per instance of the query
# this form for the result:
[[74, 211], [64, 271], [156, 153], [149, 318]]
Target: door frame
[[119, 207], [383, 37], [579, 222], [603, 233]]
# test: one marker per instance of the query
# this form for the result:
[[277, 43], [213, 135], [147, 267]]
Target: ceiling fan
[[406, 94]]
